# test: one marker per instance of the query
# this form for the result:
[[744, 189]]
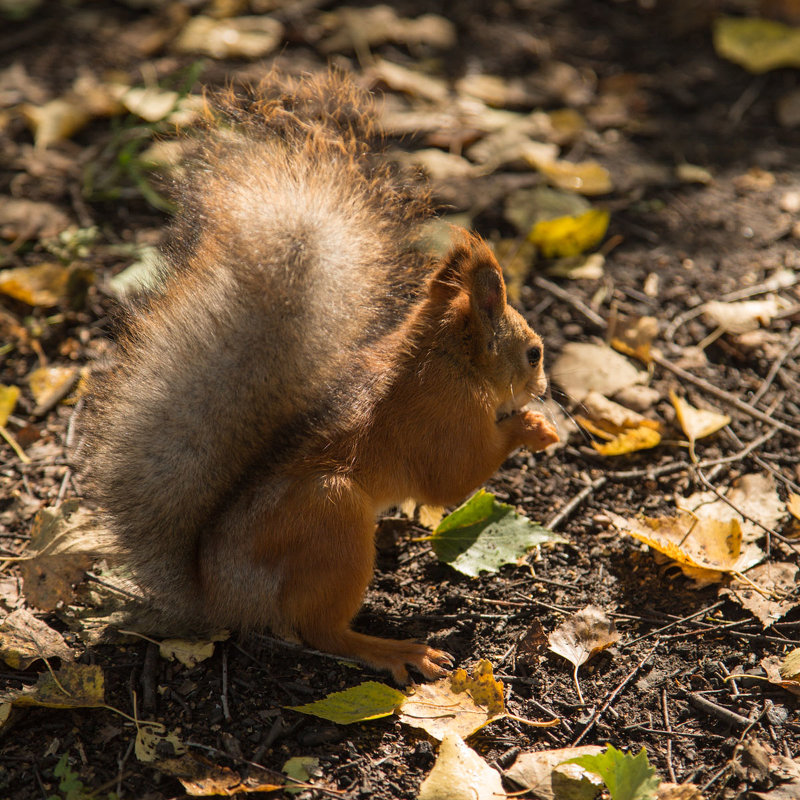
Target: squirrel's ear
[[488, 294]]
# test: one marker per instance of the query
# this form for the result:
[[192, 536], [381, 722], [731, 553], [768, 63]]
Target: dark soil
[[702, 241]]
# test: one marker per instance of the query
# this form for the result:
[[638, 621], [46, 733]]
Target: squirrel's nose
[[534, 355]]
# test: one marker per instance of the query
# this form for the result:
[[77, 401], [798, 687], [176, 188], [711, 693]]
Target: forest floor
[[698, 165]]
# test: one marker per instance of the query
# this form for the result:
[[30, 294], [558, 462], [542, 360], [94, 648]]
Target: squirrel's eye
[[534, 356]]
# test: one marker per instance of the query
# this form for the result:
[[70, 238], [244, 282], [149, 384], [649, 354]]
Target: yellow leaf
[[793, 505], [631, 440], [697, 422], [42, 285], [368, 700], [189, 653], [148, 738], [51, 384], [634, 338], [570, 236], [713, 546], [459, 772], [461, 704], [73, 686], [758, 45], [586, 177], [8, 399]]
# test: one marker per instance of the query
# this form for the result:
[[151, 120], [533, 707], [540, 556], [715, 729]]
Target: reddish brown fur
[[300, 369]]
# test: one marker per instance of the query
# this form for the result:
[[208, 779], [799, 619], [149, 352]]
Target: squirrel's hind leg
[[325, 571]]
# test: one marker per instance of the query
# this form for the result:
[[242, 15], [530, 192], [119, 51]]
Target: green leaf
[[368, 700], [626, 777], [483, 534], [302, 769]]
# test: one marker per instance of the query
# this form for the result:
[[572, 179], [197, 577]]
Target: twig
[[568, 298], [575, 502], [225, 709], [668, 726], [676, 622], [774, 369], [597, 714], [724, 714], [721, 394], [9, 437]]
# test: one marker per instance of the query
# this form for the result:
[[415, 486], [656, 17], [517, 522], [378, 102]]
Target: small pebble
[[790, 201]]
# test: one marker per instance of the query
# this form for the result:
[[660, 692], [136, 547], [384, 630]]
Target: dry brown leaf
[[583, 635], [25, 639], [754, 494], [531, 645], [767, 591], [459, 703], [705, 549], [697, 423], [678, 791], [540, 774], [742, 316], [203, 778], [242, 37], [60, 548], [359, 28], [583, 367], [587, 177], [635, 337], [409, 81], [779, 676], [460, 774], [56, 120]]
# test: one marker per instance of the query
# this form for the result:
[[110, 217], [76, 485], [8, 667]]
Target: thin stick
[[568, 298], [726, 397], [9, 437], [668, 726], [225, 709], [792, 346], [575, 502]]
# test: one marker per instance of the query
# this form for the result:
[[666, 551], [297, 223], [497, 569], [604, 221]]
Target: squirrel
[[301, 366]]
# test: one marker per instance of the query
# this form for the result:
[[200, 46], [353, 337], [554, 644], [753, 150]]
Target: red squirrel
[[300, 367]]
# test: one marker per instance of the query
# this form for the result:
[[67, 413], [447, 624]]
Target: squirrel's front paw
[[537, 431]]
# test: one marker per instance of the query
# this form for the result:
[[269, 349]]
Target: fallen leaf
[[458, 703], [754, 495], [153, 743], [697, 423], [359, 28], [626, 777], [531, 645], [779, 674], [537, 773], [793, 505], [742, 316], [757, 44], [692, 173], [201, 777], [141, 276], [241, 37], [678, 791], [705, 549], [583, 635], [624, 430], [8, 399], [151, 103], [25, 639], [368, 700], [494, 90], [44, 285], [482, 535], [460, 774], [767, 591], [570, 236], [583, 367], [189, 653], [525, 207], [510, 146], [59, 550], [411, 82], [302, 769], [56, 120], [51, 384], [584, 267], [72, 686], [635, 337], [586, 177]]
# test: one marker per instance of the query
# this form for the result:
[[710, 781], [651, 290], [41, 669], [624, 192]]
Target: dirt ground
[[656, 95]]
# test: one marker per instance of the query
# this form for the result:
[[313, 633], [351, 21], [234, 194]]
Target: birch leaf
[[583, 635], [460, 774], [697, 423], [368, 700]]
